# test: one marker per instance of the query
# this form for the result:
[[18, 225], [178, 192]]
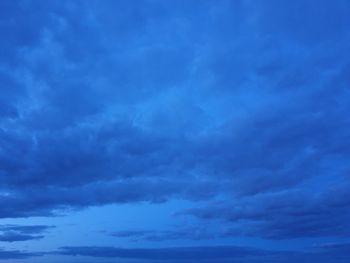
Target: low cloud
[[14, 233], [333, 253], [165, 254], [16, 254]]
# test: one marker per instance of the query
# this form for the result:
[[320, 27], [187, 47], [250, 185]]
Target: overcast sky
[[142, 131]]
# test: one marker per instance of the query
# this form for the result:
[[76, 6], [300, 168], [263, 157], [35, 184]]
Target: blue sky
[[174, 131]]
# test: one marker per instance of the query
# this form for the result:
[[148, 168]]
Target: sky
[[166, 131]]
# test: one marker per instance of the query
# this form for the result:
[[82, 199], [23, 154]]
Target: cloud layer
[[238, 107], [331, 253]]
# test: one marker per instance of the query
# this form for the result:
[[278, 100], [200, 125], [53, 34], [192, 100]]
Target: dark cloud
[[283, 215], [323, 253], [165, 254], [13, 233], [16, 254], [240, 105]]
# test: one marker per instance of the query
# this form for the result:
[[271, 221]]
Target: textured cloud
[[240, 107], [283, 215], [13, 233]]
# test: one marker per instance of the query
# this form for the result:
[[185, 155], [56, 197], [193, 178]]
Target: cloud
[[165, 254], [247, 113], [322, 253], [284, 215], [14, 233], [16, 254]]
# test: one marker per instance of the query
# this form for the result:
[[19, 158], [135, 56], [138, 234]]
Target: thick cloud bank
[[239, 107]]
